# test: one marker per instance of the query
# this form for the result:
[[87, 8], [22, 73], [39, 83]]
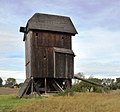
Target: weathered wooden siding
[[28, 54], [70, 64], [42, 62], [41, 59], [49, 39]]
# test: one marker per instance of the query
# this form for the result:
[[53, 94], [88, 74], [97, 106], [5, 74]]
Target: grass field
[[80, 102]]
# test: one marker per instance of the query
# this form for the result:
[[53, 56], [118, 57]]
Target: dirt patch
[[5, 91]]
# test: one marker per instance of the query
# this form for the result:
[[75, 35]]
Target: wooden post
[[32, 86], [68, 83], [54, 64], [45, 85], [66, 66]]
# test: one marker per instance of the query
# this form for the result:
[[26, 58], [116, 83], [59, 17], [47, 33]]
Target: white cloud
[[97, 52], [10, 44], [11, 56]]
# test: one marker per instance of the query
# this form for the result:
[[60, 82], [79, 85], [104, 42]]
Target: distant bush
[[83, 87], [10, 82]]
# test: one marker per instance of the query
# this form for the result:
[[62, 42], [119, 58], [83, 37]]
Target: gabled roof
[[49, 22]]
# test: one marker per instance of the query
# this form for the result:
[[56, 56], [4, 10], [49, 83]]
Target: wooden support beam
[[88, 81], [32, 84], [36, 88], [68, 83], [29, 84], [57, 86], [23, 90]]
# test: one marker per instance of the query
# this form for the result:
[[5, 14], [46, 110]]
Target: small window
[[62, 41], [44, 57], [36, 34], [62, 37]]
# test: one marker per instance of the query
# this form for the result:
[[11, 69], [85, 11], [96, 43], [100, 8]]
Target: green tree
[[117, 80], [1, 81], [10, 82], [107, 81], [84, 86], [118, 83]]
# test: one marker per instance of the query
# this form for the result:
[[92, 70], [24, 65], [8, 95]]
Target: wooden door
[[63, 63]]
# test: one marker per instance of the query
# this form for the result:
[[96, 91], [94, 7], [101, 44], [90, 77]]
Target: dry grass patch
[[82, 102], [6, 91]]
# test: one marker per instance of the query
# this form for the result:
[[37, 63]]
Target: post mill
[[48, 53]]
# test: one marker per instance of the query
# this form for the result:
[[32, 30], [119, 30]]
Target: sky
[[96, 46]]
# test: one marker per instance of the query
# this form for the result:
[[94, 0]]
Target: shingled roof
[[49, 22]]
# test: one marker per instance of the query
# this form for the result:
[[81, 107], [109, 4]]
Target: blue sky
[[97, 44]]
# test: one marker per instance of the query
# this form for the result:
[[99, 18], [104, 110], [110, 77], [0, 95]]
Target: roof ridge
[[51, 22]]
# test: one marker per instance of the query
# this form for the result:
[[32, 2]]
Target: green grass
[[8, 102]]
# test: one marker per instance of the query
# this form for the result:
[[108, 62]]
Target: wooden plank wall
[[42, 55], [28, 54], [49, 39], [42, 62]]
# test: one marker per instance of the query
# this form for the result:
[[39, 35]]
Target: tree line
[[81, 86], [10, 82], [78, 86]]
